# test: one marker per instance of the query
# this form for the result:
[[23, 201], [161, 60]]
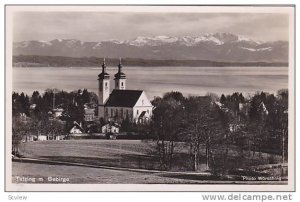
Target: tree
[[16, 104], [213, 96], [177, 96], [85, 96], [202, 128], [35, 97], [223, 99], [19, 130], [282, 114], [165, 126], [21, 104]]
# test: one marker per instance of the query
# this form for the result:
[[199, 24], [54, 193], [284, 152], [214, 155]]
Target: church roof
[[123, 98]]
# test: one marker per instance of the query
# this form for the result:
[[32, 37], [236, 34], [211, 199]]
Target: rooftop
[[123, 98]]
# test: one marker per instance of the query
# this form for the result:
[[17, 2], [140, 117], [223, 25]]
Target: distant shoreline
[[59, 61]]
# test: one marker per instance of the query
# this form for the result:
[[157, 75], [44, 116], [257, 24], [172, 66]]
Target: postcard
[[150, 98]]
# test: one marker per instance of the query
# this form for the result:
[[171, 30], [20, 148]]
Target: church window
[[148, 111], [137, 111], [122, 84], [105, 84], [142, 102]]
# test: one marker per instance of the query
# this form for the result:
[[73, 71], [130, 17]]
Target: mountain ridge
[[218, 47]]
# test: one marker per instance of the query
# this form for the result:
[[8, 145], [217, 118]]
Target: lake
[[156, 80]]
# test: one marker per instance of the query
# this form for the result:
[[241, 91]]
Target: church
[[120, 103]]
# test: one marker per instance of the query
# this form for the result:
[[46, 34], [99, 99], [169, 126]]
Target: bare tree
[[201, 129], [165, 125]]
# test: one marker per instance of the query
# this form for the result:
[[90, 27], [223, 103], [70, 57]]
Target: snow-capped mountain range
[[216, 47]]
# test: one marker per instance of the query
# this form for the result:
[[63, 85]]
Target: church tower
[[120, 78], [103, 89]]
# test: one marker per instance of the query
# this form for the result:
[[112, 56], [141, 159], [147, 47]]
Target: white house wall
[[143, 101], [143, 104], [75, 130], [138, 110]]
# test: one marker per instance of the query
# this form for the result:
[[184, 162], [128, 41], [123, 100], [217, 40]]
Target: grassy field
[[129, 154], [133, 154], [118, 153]]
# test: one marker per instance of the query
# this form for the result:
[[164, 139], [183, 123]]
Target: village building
[[89, 114], [32, 106], [111, 128], [121, 104], [57, 112], [42, 137], [76, 129], [263, 109]]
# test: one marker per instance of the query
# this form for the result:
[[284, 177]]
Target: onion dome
[[103, 74], [120, 74]]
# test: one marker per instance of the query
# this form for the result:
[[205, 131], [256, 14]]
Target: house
[[262, 109], [76, 129], [29, 138], [23, 117], [32, 107], [121, 104], [42, 137], [89, 114], [57, 112], [111, 128], [244, 108], [60, 137]]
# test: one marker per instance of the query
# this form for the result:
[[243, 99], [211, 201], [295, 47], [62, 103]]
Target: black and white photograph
[[150, 98]]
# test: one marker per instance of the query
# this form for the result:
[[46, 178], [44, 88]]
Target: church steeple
[[103, 87], [120, 65], [103, 66], [103, 74], [120, 78]]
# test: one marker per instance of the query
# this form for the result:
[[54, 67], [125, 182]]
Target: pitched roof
[[76, 125], [123, 98]]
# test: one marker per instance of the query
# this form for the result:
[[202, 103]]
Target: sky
[[99, 26]]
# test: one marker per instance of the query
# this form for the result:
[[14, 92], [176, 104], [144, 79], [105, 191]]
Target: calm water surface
[[157, 80]]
